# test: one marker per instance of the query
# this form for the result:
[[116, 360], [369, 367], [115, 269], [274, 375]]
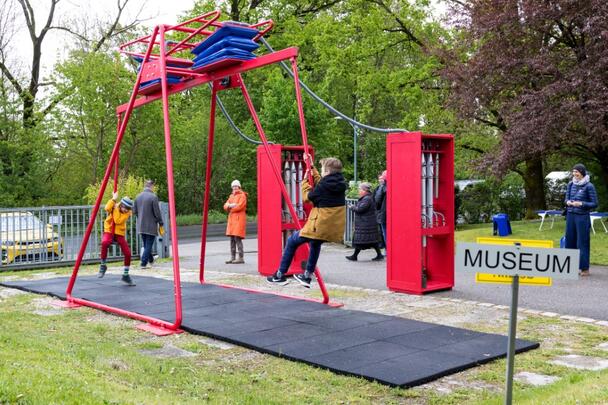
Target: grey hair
[[149, 183], [365, 186]]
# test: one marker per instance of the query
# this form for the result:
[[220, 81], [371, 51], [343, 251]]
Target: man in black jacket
[[380, 201]]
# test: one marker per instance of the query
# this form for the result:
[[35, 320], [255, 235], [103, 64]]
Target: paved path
[[585, 297]]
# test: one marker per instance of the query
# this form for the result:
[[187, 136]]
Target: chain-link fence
[[52, 236]]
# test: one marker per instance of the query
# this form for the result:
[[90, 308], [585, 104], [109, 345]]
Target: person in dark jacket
[[149, 221], [380, 203], [325, 222], [580, 200], [366, 227]]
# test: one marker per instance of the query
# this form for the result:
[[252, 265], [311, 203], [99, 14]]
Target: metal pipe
[[207, 184]]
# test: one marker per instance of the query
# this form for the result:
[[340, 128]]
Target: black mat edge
[[432, 377]]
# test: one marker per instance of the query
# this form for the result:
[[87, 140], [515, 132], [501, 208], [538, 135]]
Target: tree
[[536, 73]]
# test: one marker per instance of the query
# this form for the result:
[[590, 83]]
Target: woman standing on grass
[[236, 206], [581, 199]]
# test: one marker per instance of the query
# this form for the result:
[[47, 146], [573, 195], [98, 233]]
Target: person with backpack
[[114, 230], [581, 199]]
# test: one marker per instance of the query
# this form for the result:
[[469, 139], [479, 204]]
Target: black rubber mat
[[394, 351]]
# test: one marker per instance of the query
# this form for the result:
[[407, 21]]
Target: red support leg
[[277, 173], [207, 182], [104, 183], [170, 185]]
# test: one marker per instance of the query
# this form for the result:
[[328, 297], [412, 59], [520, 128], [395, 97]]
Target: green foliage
[[127, 187], [478, 202]]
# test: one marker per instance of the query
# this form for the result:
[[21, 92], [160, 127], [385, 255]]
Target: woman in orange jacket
[[115, 229], [236, 206]]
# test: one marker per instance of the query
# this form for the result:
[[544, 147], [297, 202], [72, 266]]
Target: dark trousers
[[106, 241], [148, 243], [293, 243], [236, 244], [383, 229], [578, 236]]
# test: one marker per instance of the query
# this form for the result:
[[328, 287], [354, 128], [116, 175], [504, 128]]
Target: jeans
[[383, 228], [148, 242], [578, 236], [293, 242]]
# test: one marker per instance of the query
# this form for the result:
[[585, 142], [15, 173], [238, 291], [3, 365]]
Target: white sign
[[517, 260]]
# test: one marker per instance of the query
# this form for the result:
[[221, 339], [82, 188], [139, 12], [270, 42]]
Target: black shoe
[[305, 281], [277, 280], [102, 270], [352, 258], [378, 258], [127, 280]]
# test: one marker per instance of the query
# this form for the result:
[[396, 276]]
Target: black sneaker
[[302, 279], [102, 270], [378, 258], [127, 280], [352, 258], [274, 279]]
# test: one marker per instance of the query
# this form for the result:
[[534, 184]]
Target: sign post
[[516, 261]]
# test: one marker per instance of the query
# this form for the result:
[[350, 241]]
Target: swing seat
[[231, 41], [227, 30], [155, 85]]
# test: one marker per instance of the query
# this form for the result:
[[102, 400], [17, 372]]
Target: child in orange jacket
[[114, 229]]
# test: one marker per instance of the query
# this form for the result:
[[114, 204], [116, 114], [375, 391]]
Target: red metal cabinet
[[274, 221], [411, 266]]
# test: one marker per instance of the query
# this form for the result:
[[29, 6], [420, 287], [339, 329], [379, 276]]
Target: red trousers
[[106, 241]]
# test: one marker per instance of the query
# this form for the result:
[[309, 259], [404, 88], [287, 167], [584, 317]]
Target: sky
[[54, 46]]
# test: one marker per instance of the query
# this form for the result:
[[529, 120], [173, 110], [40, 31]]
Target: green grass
[[529, 230], [215, 217], [85, 356]]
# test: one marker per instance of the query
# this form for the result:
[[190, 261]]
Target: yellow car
[[23, 237]]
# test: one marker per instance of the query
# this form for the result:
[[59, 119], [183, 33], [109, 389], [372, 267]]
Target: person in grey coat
[[366, 228], [149, 220]]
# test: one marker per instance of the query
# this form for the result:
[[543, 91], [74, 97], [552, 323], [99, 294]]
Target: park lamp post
[[354, 146]]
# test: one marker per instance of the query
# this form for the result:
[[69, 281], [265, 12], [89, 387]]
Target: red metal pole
[[278, 177], [294, 67], [117, 164], [106, 176], [207, 182], [170, 185]]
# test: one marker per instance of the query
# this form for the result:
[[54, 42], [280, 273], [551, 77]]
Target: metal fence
[[350, 222], [52, 236]]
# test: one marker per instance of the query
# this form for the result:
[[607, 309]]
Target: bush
[[480, 201], [130, 187]]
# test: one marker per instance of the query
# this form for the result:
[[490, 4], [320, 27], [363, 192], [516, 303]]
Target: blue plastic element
[[501, 225], [223, 32], [245, 44], [217, 64], [170, 80], [562, 242], [224, 53]]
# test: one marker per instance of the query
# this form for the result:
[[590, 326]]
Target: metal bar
[[277, 173], [207, 183], [196, 32], [170, 185], [106, 176], [512, 335], [258, 62]]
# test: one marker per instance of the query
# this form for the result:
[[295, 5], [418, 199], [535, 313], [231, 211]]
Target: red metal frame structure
[[154, 66]]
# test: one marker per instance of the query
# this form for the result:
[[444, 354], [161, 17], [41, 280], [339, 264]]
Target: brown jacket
[[324, 223], [237, 216]]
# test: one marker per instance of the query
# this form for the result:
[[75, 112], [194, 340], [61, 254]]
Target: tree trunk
[[534, 187], [603, 176]]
